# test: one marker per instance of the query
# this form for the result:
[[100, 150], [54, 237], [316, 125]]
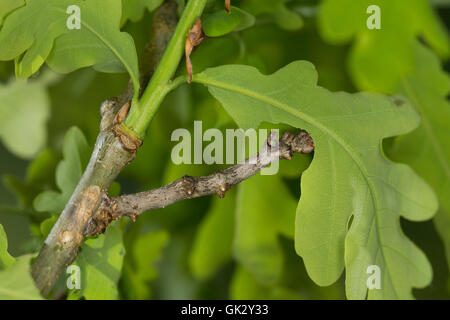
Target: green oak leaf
[[349, 179], [259, 222], [134, 9], [427, 149], [68, 173], [100, 262], [6, 260], [210, 252], [139, 268], [380, 58], [16, 282], [7, 6], [24, 112], [284, 17], [221, 22], [38, 32], [244, 286]]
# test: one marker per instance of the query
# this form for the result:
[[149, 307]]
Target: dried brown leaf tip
[[227, 5], [193, 39]]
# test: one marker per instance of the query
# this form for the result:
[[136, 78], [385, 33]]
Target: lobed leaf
[[139, 269], [7, 6], [284, 17], [16, 282], [245, 287], [259, 222], [68, 173], [210, 251], [38, 33], [221, 22], [380, 58], [100, 263], [134, 9], [23, 117], [352, 195], [427, 149]]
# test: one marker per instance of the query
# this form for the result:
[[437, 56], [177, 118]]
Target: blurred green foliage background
[[186, 251]]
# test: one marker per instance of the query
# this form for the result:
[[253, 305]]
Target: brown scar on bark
[[88, 202], [194, 37], [84, 212], [227, 5]]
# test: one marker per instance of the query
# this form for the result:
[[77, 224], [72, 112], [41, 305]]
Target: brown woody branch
[[113, 150], [187, 187]]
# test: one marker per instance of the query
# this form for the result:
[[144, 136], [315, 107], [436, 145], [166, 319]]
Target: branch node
[[188, 185], [223, 188], [133, 216], [295, 143], [129, 142]]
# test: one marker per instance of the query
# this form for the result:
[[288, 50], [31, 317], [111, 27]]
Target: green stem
[[160, 85]]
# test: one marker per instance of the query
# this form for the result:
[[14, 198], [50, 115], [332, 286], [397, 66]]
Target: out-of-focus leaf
[[39, 176], [427, 149], [214, 239], [245, 287], [349, 176], [68, 172], [283, 16], [47, 225], [215, 51], [220, 23], [134, 9], [380, 58], [265, 209], [16, 282], [6, 260], [139, 268], [38, 32], [24, 112], [100, 262]]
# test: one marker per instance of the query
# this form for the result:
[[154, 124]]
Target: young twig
[[187, 187]]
